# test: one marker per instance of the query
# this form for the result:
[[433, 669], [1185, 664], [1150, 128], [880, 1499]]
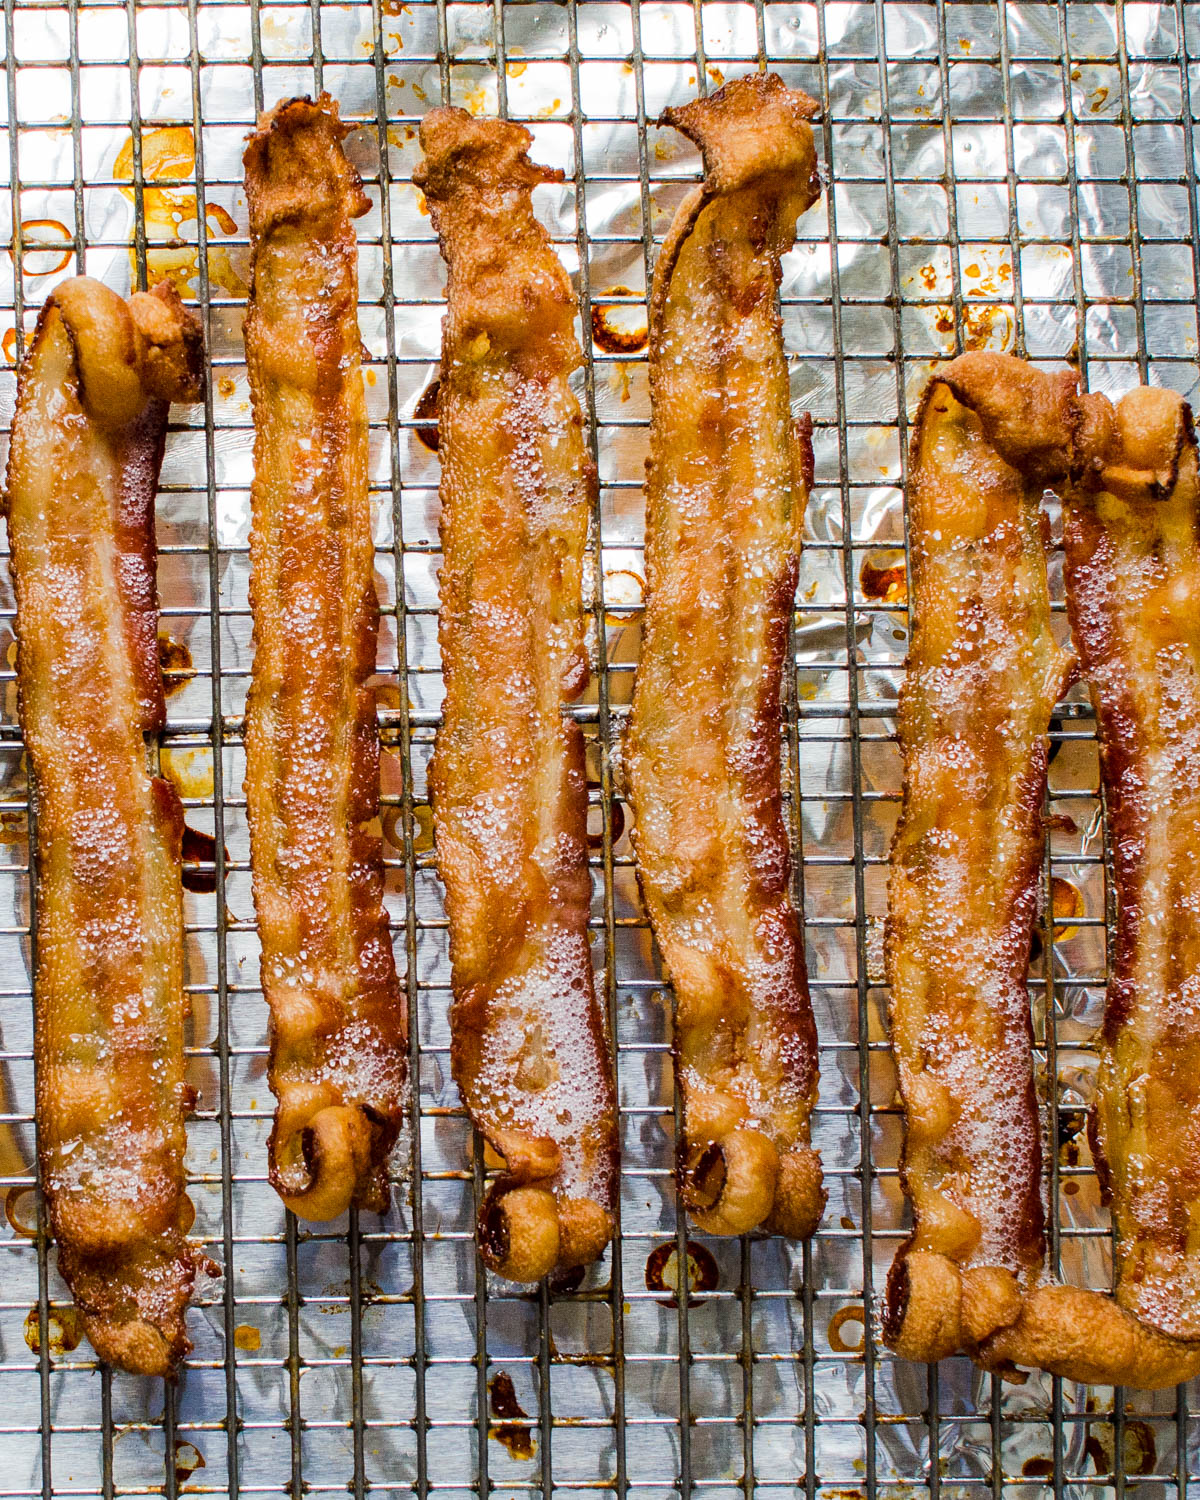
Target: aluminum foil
[[1004, 176]]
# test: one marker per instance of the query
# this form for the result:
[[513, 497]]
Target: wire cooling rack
[[1000, 175]]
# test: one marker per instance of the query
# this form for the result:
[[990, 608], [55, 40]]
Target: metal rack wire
[[1016, 175]]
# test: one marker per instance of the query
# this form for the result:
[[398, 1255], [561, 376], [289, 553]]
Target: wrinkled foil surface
[[1004, 176]]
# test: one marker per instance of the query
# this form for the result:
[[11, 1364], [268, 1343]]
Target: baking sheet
[[1005, 176]]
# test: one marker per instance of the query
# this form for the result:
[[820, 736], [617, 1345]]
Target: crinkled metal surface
[[1004, 176]]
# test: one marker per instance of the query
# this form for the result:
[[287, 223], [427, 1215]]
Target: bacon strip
[[726, 492], [1132, 539], [338, 1019], [87, 443], [984, 673], [528, 1044]]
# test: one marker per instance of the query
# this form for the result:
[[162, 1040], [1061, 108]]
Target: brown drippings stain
[[12, 827], [174, 658], [226, 387], [63, 1325], [191, 770], [929, 276], [1067, 905], [225, 220], [393, 7], [57, 233], [20, 1209], [392, 820], [1140, 1452], [199, 861], [595, 836], [188, 1459], [662, 1273], [9, 345], [247, 1338], [513, 1430], [1038, 1468], [615, 337], [884, 576], [425, 412], [1098, 100], [1061, 822], [980, 323], [852, 1313], [563, 1283]]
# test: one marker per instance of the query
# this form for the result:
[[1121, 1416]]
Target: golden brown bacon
[[338, 1025], [726, 491], [509, 794], [984, 673], [87, 442], [1132, 537]]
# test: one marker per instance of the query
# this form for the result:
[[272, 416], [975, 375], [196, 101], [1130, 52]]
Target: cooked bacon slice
[[528, 1043], [87, 443], [338, 1022], [1132, 539], [984, 673], [726, 491]]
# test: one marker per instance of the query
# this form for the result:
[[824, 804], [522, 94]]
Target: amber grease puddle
[[64, 1328], [175, 663], [168, 202], [199, 861], [885, 578], [512, 1430], [611, 328], [662, 1273], [855, 1318]]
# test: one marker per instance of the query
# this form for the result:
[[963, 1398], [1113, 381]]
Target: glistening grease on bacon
[[528, 1043], [726, 490], [338, 1023], [984, 673], [87, 443], [1132, 540]]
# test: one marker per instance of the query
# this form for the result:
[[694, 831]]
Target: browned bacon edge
[[1133, 593], [528, 1038], [726, 490], [87, 445], [338, 1022], [938, 1301]]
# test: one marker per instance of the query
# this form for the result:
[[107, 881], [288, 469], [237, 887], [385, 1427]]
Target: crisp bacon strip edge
[[942, 1295], [726, 490], [110, 1006], [528, 1037], [339, 1034]]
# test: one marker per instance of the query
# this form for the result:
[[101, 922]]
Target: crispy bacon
[[338, 1022], [726, 492], [509, 794], [984, 673], [87, 443], [1132, 540]]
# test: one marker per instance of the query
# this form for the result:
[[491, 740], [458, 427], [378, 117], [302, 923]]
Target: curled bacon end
[[983, 675], [110, 1007], [726, 492], [528, 1043], [338, 1020]]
